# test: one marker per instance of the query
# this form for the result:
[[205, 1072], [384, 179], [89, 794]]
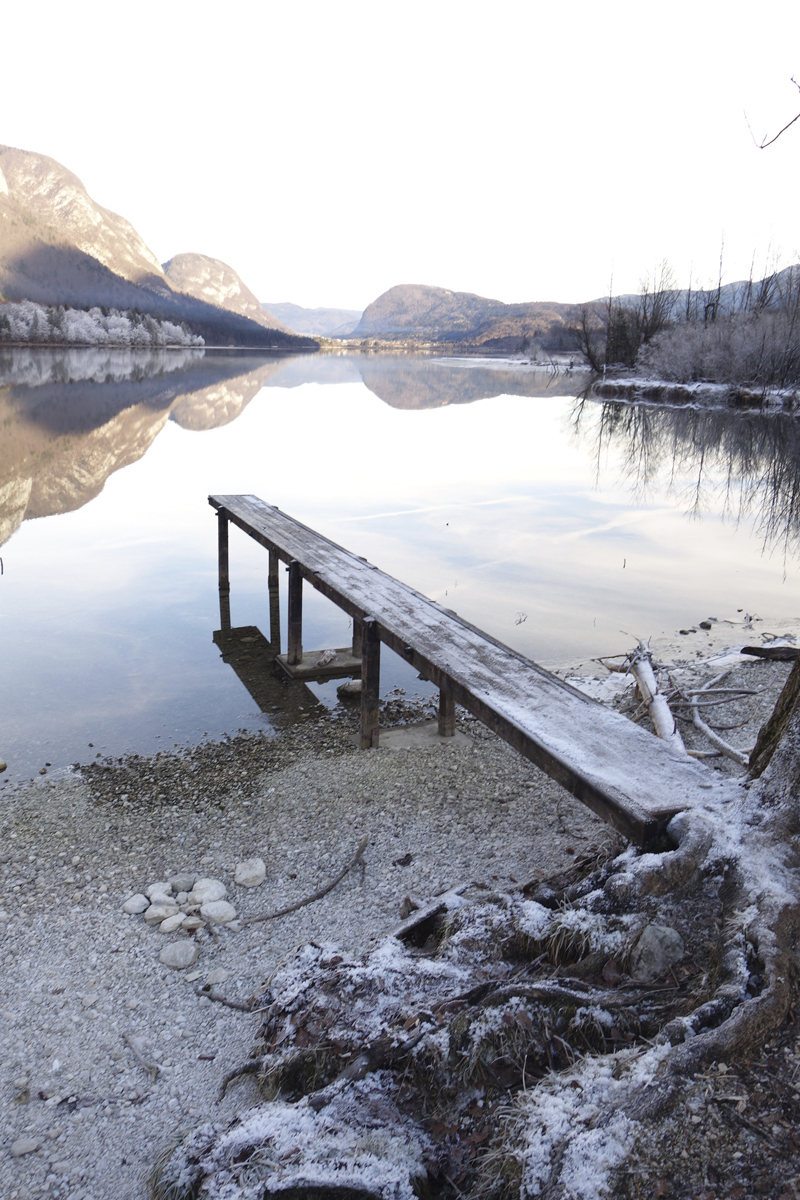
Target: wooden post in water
[[370, 684], [222, 542], [447, 712], [274, 602], [224, 610], [358, 636], [294, 653]]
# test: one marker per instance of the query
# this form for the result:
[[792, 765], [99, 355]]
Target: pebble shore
[[106, 1052]]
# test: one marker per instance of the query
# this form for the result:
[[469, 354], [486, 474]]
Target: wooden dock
[[622, 772]]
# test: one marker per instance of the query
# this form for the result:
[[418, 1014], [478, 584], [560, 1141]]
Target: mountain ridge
[[59, 246]]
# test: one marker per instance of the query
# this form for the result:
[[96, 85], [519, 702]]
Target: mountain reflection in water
[[70, 418], [750, 459], [549, 522]]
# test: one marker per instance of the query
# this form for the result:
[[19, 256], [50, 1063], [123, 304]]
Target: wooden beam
[[294, 652], [447, 712], [358, 636], [222, 544], [370, 684]]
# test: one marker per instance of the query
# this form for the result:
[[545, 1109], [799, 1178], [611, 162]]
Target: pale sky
[[327, 151]]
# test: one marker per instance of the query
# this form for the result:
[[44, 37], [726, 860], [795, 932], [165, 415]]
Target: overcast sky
[[330, 150]]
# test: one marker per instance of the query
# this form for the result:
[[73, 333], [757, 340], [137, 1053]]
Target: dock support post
[[358, 636], [224, 611], [274, 602], [447, 712], [222, 543], [370, 684], [294, 653]]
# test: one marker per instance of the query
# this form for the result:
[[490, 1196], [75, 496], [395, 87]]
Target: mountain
[[215, 282], [58, 246], [322, 322], [418, 312]]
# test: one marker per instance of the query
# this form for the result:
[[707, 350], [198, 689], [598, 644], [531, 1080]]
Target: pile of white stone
[[185, 904]]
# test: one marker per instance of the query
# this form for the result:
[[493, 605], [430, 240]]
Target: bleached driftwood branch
[[640, 665]]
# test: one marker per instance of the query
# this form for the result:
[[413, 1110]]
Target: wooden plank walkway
[[622, 772]]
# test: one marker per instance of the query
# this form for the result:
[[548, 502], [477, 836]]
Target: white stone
[[205, 891], [136, 904], [182, 898], [158, 889], [250, 873], [218, 912], [192, 923], [179, 954], [172, 923], [157, 913], [24, 1146], [194, 975], [218, 976]]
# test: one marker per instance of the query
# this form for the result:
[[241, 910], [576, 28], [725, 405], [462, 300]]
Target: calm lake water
[[551, 522]]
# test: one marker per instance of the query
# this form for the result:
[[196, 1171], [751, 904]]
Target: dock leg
[[370, 684], [222, 542], [358, 636], [274, 602], [447, 713], [224, 611], [294, 653]]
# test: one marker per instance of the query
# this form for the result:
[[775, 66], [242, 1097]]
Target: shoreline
[[80, 975]]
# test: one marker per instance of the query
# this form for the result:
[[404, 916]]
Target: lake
[[552, 522]]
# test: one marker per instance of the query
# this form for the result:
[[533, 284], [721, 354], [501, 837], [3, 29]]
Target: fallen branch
[[640, 665], [284, 912], [738, 756]]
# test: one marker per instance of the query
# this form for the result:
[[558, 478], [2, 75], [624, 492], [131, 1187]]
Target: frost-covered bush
[[51, 324], [753, 349]]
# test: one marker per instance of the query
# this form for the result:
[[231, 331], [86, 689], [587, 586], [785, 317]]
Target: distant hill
[[58, 246], [418, 312], [322, 322], [215, 282]]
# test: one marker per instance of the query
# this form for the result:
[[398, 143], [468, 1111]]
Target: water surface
[[551, 522]]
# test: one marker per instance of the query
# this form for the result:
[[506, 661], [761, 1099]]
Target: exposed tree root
[[511, 1051]]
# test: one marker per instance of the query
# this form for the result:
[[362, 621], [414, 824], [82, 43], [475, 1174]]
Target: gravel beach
[[105, 1052]]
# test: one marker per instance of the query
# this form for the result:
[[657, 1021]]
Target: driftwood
[[284, 912], [738, 756], [776, 653], [640, 665]]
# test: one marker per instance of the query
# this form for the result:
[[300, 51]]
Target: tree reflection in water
[[750, 461]]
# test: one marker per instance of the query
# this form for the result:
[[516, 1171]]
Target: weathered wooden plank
[[619, 770]]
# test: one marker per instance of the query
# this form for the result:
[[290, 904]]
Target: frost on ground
[[513, 1045]]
